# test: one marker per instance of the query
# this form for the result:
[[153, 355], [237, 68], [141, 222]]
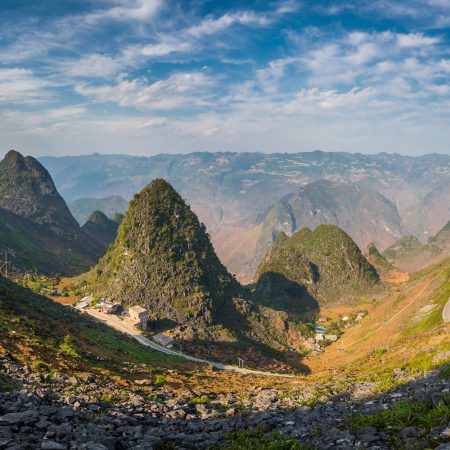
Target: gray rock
[[52, 445]]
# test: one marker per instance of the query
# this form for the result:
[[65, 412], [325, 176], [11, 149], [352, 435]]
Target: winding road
[[128, 328], [446, 312]]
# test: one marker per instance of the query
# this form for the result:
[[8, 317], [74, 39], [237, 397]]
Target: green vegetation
[[48, 336], [110, 206], [163, 259], [403, 414], [324, 264], [261, 439], [431, 317], [160, 380], [202, 400], [444, 372], [375, 258], [68, 348], [6, 384]]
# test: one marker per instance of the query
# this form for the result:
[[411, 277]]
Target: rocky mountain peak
[[163, 259]]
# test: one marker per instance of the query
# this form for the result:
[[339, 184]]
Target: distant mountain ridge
[[364, 214], [37, 230], [230, 191]]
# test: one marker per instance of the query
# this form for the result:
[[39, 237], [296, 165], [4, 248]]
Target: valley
[[333, 345]]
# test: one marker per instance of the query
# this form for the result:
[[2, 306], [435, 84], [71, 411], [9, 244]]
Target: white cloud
[[92, 65], [135, 10], [214, 25], [416, 40], [186, 89], [313, 100], [21, 86]]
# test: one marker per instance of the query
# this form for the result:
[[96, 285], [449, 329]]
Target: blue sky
[[151, 76]]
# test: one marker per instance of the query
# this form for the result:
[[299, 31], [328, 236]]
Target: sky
[[166, 76]]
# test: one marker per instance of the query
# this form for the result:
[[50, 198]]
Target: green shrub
[[260, 439], [67, 347], [160, 380]]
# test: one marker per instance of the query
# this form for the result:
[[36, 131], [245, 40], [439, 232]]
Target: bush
[[160, 380], [67, 347], [260, 439]]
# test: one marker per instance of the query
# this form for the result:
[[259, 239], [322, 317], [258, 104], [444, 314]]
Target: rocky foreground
[[62, 412]]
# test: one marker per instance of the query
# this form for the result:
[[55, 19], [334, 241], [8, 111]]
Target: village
[[135, 315]]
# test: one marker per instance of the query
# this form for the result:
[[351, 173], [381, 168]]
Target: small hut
[[139, 315]]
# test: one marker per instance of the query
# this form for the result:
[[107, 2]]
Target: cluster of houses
[[136, 314]]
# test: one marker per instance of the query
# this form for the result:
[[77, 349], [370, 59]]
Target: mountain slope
[[409, 254], [324, 265], [163, 259], [37, 230], [81, 208], [101, 229], [430, 214]]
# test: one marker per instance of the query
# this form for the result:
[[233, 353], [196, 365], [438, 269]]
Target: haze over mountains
[[233, 192]]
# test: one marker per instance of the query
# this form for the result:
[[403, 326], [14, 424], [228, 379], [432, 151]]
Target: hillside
[[101, 229], [230, 192], [430, 214], [323, 266], [365, 215], [409, 254], [37, 230], [163, 259], [81, 208]]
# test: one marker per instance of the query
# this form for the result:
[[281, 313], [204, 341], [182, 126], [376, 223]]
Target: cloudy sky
[[151, 76]]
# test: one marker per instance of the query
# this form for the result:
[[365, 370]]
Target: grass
[[444, 372], [125, 346], [6, 384], [202, 400], [68, 348], [261, 439], [403, 414], [432, 318]]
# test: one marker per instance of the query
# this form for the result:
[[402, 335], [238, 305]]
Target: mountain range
[[232, 192]]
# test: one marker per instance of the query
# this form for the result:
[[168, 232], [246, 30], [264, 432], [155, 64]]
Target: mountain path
[[127, 328], [446, 312]]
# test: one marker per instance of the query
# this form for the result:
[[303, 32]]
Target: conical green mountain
[[323, 266], [163, 259], [101, 228], [37, 230]]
